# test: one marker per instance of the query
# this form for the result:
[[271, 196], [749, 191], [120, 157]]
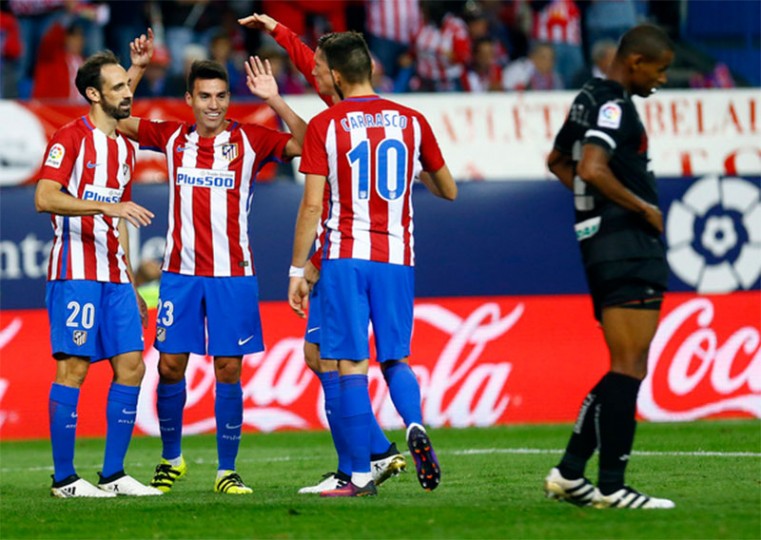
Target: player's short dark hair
[[325, 38], [204, 70], [347, 53], [89, 73], [645, 39]]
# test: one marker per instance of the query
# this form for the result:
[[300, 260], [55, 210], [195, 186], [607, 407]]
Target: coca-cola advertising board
[[503, 332], [480, 362]]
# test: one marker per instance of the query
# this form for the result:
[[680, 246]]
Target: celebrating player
[[209, 286], [369, 150], [94, 310], [386, 461], [601, 154]]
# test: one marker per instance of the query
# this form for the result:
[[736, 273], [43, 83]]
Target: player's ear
[[635, 61], [188, 98], [93, 94]]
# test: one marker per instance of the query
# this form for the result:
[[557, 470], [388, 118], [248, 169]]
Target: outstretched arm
[[262, 84], [299, 53]]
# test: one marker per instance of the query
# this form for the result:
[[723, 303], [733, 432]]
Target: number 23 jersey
[[211, 188]]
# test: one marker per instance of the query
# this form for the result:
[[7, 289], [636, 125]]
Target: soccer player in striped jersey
[[369, 150], [386, 460], [209, 287], [95, 312]]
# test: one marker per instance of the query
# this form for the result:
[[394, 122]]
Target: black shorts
[[622, 282]]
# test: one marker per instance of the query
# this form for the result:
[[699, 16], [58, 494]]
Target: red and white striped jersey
[[395, 20], [212, 184], [90, 166], [558, 22], [442, 53], [370, 150]]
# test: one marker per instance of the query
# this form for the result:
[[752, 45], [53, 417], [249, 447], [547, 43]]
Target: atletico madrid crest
[[230, 151], [79, 337]]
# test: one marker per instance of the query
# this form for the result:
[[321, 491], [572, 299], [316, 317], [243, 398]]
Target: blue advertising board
[[498, 238]]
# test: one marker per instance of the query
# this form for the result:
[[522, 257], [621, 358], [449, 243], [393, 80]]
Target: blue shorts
[[314, 316], [225, 308], [356, 292], [93, 319]]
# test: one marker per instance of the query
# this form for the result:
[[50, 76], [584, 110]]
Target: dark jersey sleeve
[[611, 123]]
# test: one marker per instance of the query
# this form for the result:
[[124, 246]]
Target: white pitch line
[[697, 453], [470, 452]]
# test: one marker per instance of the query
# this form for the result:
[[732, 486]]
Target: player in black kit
[[601, 154]]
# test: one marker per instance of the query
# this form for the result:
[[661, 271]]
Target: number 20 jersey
[[370, 150]]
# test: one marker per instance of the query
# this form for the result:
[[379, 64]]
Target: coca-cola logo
[[693, 375], [458, 387]]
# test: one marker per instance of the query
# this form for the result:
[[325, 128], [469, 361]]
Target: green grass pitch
[[491, 488]]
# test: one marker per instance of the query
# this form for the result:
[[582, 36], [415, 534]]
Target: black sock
[[617, 424], [583, 441]]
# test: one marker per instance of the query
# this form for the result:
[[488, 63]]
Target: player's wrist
[[296, 271]]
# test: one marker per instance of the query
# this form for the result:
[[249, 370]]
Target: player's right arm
[[299, 53], [561, 165], [440, 183], [140, 54], [49, 197]]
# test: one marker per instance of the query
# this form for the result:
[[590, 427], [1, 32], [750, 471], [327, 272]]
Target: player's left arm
[[124, 242], [594, 169], [308, 217], [262, 84]]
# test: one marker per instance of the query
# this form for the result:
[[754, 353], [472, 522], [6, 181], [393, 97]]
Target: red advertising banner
[[480, 362], [34, 123]]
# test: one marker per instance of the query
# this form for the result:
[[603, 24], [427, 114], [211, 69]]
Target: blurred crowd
[[418, 45]]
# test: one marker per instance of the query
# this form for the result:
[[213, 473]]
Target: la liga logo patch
[[55, 156], [609, 116]]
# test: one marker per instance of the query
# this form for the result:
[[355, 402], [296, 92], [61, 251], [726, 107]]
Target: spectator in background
[[156, 78], [128, 19], [34, 18], [718, 77], [441, 49], [608, 19], [308, 18], [221, 50], [186, 22], [603, 52], [558, 22], [177, 84], [485, 72], [288, 81], [59, 57], [391, 26], [536, 72], [10, 52]]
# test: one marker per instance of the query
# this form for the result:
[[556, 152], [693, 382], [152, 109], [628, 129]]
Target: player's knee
[[170, 372], [227, 370], [312, 356]]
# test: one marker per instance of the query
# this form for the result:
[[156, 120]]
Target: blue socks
[[405, 392], [62, 412], [121, 410], [357, 415], [169, 405], [228, 411], [331, 387]]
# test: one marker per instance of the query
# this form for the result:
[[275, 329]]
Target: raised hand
[[259, 78], [141, 50], [258, 21]]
